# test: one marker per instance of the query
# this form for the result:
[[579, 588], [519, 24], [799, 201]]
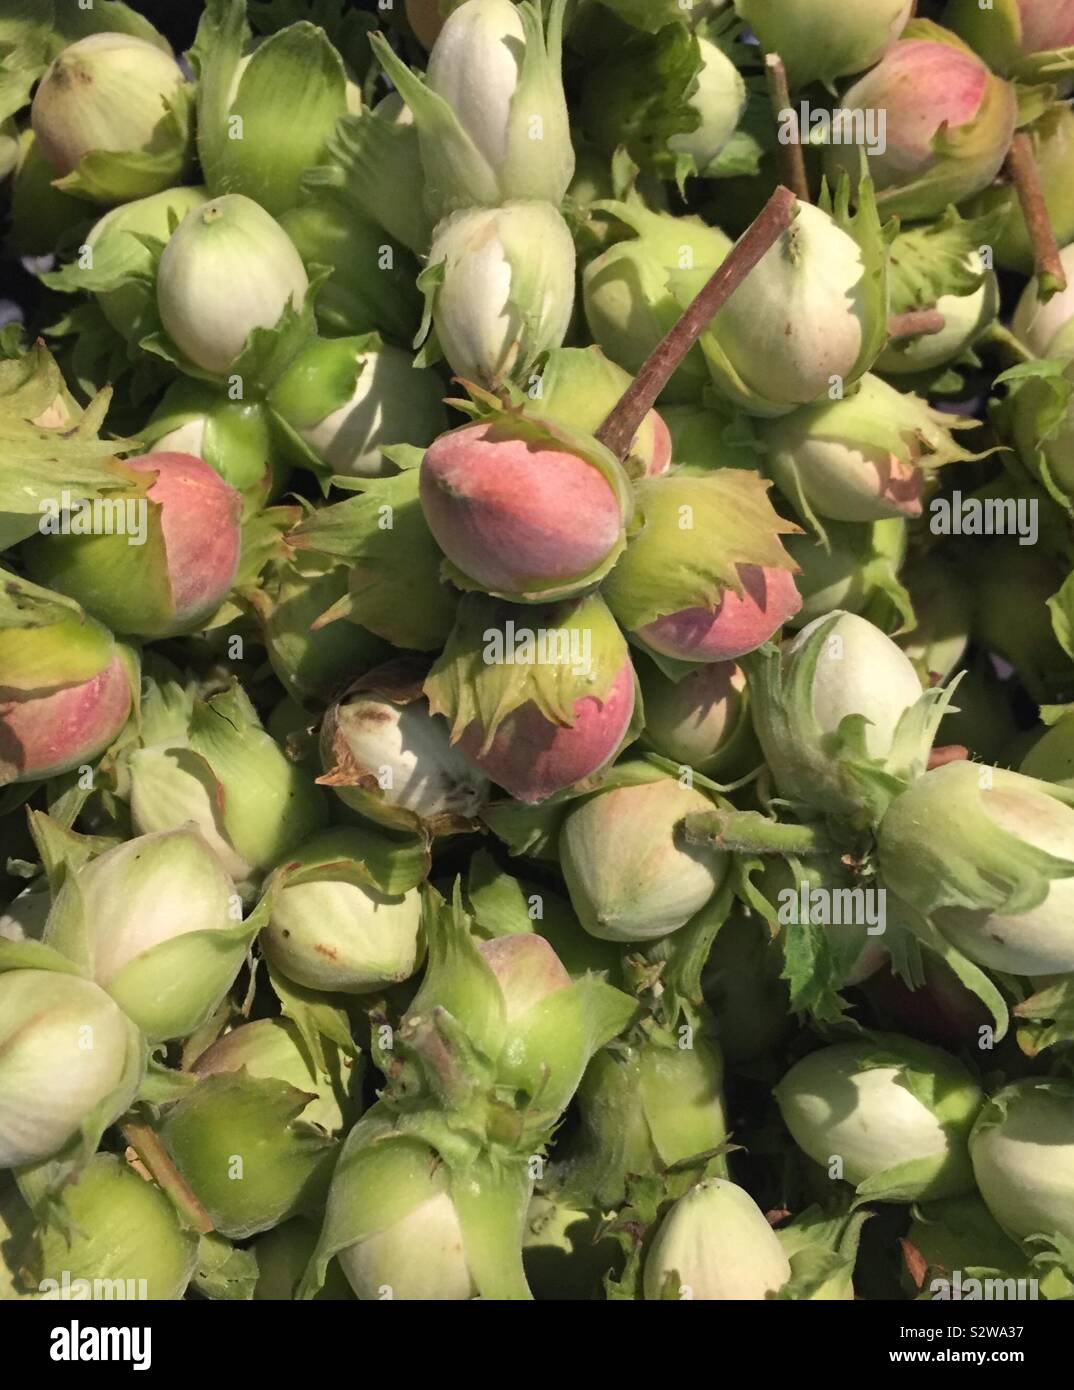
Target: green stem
[[441, 1046], [748, 832]]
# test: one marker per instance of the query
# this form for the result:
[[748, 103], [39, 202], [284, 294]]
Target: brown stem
[[619, 429], [790, 152], [1021, 168], [915, 324], [152, 1153], [949, 753]]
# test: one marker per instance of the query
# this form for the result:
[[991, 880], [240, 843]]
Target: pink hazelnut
[[739, 623], [532, 758], [520, 518], [43, 735]]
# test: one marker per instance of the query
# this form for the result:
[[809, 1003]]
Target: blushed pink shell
[[200, 517], [1046, 24], [48, 734], [901, 485], [533, 759], [921, 85], [849, 484], [738, 624], [691, 720], [513, 516], [527, 969], [660, 460]]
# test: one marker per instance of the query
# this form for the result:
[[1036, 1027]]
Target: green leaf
[[499, 904], [162, 1085], [374, 166], [316, 1015], [458, 980], [943, 849], [640, 97], [262, 542], [289, 99], [291, 1167], [822, 1237], [347, 29], [976, 980], [35, 955], [459, 163], [225, 1273], [74, 22], [528, 830], [62, 850], [391, 861], [97, 357], [395, 585], [901, 1183], [650, 16], [683, 956], [42, 462], [492, 1200], [46, 640], [106, 176], [477, 679], [666, 569], [1061, 607], [932, 260], [755, 137], [33, 32], [1048, 1015], [222, 34], [873, 239]]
